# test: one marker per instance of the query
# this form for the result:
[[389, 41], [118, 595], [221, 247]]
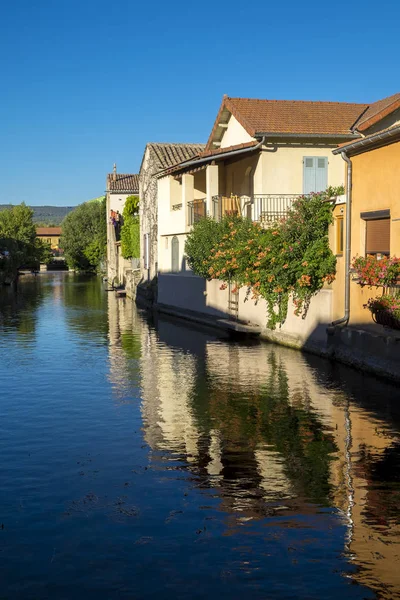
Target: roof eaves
[[228, 103], [286, 134], [370, 142], [379, 116]]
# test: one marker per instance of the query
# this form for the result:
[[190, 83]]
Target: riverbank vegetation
[[130, 232], [19, 246], [84, 236], [291, 257]]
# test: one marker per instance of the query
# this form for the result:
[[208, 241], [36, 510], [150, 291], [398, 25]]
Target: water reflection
[[272, 433], [144, 459]]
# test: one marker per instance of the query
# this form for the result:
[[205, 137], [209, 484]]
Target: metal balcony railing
[[223, 206], [196, 210], [272, 207]]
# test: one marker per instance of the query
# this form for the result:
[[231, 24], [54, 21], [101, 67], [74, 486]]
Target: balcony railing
[[272, 207], [223, 206], [196, 211], [265, 208]]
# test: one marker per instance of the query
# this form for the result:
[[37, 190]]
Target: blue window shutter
[[321, 178], [308, 174]]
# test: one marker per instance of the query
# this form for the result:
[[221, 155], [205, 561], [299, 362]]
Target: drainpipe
[[345, 318]]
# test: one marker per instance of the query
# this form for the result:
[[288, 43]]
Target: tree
[[18, 242], [130, 230], [84, 235]]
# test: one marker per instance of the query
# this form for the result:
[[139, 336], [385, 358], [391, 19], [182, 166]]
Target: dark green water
[[145, 459]]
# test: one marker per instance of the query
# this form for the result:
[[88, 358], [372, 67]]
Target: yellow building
[[373, 180], [50, 235]]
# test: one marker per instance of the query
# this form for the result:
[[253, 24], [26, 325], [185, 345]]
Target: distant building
[[119, 187], [50, 235]]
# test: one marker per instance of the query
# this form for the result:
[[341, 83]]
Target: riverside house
[[375, 203], [156, 157], [118, 187], [260, 156], [50, 235]]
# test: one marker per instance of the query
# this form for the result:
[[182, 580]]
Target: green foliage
[[130, 230], [131, 207], [18, 240], [200, 242], [84, 236], [130, 237], [291, 257]]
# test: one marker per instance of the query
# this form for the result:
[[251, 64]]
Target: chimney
[[114, 175]]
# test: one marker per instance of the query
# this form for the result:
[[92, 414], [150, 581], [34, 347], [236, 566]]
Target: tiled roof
[[48, 230], [197, 161], [291, 116], [168, 155], [217, 151], [125, 182], [377, 111]]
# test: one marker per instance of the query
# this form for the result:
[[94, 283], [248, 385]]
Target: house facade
[[375, 202], [119, 186], [157, 157], [50, 235], [261, 155]]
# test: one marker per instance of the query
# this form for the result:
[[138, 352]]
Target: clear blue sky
[[85, 83]]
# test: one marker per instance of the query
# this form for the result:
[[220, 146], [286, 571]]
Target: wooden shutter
[[308, 174], [321, 174], [377, 236]]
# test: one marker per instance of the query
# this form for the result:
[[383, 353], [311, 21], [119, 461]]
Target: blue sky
[[89, 82]]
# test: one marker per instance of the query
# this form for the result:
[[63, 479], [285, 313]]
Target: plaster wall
[[235, 134], [282, 170], [376, 184]]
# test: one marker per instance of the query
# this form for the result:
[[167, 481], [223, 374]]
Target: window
[[174, 254], [377, 237], [339, 235], [315, 174]]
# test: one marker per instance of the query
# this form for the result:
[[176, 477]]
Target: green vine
[[289, 258]]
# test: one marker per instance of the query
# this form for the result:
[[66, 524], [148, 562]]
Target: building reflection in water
[[268, 430]]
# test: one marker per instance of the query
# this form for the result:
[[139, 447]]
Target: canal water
[[151, 459]]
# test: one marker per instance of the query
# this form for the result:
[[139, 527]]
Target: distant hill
[[47, 215]]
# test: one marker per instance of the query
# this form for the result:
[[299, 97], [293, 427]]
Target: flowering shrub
[[290, 257], [379, 272]]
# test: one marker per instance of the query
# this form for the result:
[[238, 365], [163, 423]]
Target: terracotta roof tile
[[377, 111], [291, 116], [168, 155], [48, 230], [125, 182]]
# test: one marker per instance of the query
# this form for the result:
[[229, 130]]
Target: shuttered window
[[377, 240], [315, 174]]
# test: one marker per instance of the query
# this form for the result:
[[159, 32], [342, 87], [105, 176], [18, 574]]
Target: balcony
[[223, 206], [196, 211], [264, 208], [272, 207]]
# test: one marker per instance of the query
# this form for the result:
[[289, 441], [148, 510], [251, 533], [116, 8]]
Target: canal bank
[[369, 348]]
